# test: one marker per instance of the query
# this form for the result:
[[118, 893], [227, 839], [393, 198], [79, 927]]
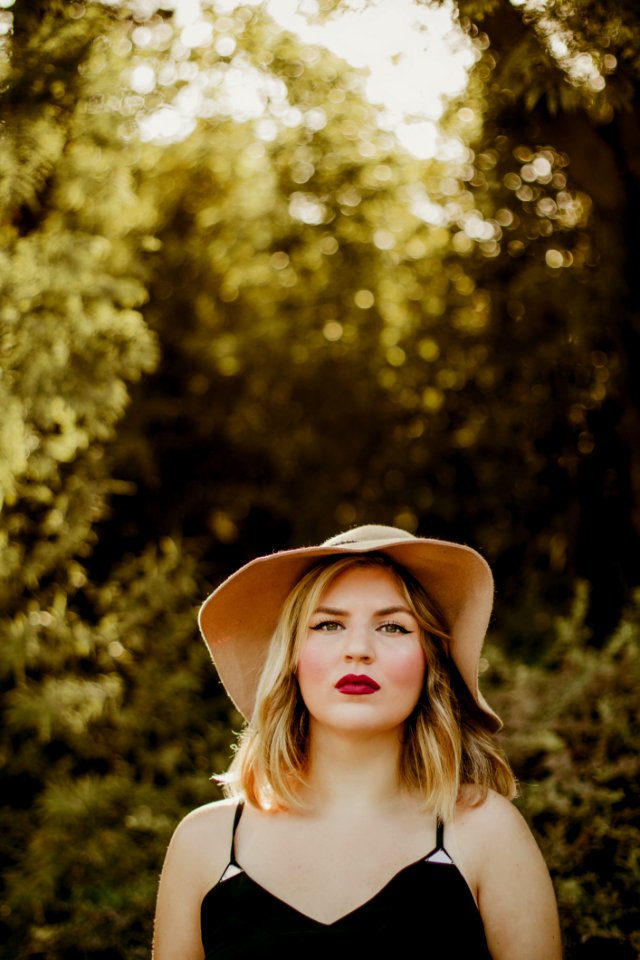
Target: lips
[[357, 684]]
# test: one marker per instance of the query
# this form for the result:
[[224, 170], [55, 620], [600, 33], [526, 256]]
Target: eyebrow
[[385, 612]]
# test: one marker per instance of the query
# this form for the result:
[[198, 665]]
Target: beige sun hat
[[238, 619]]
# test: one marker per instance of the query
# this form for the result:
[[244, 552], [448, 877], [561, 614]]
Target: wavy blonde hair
[[446, 744]]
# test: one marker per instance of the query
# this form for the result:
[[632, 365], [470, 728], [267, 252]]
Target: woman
[[368, 803]]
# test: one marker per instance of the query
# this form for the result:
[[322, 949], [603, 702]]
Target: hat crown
[[368, 532]]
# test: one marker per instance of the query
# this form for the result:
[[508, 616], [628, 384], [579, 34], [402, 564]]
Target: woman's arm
[[195, 859], [515, 894]]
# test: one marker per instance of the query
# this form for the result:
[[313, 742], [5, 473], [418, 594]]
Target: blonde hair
[[446, 743]]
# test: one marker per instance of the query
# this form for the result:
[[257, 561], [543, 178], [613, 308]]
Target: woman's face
[[361, 664]]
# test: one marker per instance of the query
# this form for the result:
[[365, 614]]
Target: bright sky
[[416, 57]]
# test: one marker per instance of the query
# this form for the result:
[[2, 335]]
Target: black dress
[[426, 907]]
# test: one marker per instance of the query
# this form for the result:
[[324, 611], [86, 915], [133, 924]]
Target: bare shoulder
[[211, 816], [196, 857], [507, 873], [489, 818], [202, 840], [491, 834]]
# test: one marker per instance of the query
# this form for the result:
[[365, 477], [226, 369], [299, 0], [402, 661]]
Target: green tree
[[483, 385], [562, 85], [73, 341], [539, 325]]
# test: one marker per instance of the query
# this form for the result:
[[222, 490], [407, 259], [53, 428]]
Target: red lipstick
[[357, 684]]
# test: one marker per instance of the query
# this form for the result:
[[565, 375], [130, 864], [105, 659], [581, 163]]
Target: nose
[[357, 644]]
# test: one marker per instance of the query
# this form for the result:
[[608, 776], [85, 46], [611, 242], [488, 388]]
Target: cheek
[[312, 665], [407, 670]]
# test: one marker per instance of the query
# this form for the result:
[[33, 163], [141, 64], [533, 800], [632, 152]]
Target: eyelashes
[[334, 626], [394, 627]]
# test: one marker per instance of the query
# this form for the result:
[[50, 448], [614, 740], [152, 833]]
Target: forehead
[[365, 582]]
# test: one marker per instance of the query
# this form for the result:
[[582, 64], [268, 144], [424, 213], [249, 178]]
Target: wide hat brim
[[238, 619]]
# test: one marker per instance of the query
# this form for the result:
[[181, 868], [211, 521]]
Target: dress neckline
[[436, 856], [361, 906]]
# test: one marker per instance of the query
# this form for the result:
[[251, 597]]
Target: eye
[[327, 626], [392, 627]]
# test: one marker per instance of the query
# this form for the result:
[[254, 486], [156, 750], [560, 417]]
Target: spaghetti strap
[[236, 821]]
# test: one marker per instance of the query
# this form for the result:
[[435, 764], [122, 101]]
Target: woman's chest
[[426, 902], [328, 872]]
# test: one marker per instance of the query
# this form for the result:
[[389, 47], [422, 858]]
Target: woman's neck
[[353, 772]]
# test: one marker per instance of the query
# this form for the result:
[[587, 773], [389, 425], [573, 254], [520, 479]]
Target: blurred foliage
[[573, 740], [237, 316], [115, 728]]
